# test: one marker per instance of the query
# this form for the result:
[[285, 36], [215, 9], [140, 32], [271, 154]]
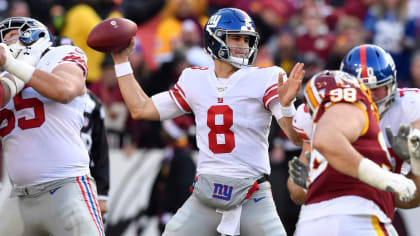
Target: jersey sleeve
[[410, 98], [178, 95], [75, 56], [302, 123], [166, 107], [270, 94]]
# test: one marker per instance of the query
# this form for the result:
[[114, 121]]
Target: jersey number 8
[[227, 113]]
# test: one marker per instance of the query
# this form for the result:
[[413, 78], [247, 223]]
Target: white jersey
[[405, 109], [41, 137], [302, 123], [233, 118]]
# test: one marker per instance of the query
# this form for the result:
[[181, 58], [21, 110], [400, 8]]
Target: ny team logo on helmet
[[338, 85], [29, 30], [375, 68], [230, 21]]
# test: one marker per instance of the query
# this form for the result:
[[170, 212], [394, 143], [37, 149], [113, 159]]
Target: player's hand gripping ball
[[112, 35]]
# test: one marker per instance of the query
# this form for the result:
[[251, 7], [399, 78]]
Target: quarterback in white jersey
[[233, 119], [44, 96], [233, 104]]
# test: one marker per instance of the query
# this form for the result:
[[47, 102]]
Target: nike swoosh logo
[[53, 191], [258, 199]]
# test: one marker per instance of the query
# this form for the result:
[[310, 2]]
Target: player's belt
[[262, 179]]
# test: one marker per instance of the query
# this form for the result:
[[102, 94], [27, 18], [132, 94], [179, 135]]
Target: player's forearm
[[5, 94], [286, 123], [297, 193], [134, 96]]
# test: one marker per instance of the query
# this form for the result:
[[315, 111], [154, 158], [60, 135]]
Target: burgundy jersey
[[325, 182]]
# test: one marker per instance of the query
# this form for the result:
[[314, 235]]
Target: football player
[[352, 187], [233, 103], [43, 95], [373, 66]]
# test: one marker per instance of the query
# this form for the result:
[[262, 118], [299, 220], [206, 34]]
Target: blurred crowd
[[170, 38]]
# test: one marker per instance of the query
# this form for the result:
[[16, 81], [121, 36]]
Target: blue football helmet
[[29, 31], [375, 68], [230, 21]]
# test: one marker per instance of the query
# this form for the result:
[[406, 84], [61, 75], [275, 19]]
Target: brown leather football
[[112, 35]]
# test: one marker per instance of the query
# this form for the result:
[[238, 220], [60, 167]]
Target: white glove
[[370, 173], [16, 48], [414, 150], [20, 69], [31, 54]]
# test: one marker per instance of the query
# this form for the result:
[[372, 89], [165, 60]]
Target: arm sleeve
[[166, 107], [411, 104], [76, 56], [100, 153]]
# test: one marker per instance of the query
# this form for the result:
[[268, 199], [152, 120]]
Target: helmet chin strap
[[238, 62], [384, 103]]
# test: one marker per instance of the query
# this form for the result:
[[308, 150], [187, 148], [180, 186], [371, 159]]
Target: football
[[112, 35]]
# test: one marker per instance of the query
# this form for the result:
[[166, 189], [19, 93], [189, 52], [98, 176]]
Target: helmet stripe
[[245, 16], [363, 64], [311, 98]]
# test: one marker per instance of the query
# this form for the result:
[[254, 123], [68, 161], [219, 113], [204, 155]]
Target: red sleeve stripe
[[298, 129], [271, 96], [179, 99], [79, 61], [270, 100], [270, 88], [180, 89], [303, 136]]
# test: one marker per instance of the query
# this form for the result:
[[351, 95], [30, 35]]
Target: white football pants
[[345, 225], [66, 207], [259, 217]]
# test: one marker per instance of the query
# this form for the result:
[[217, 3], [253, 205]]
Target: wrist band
[[123, 69], [289, 111], [19, 69]]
